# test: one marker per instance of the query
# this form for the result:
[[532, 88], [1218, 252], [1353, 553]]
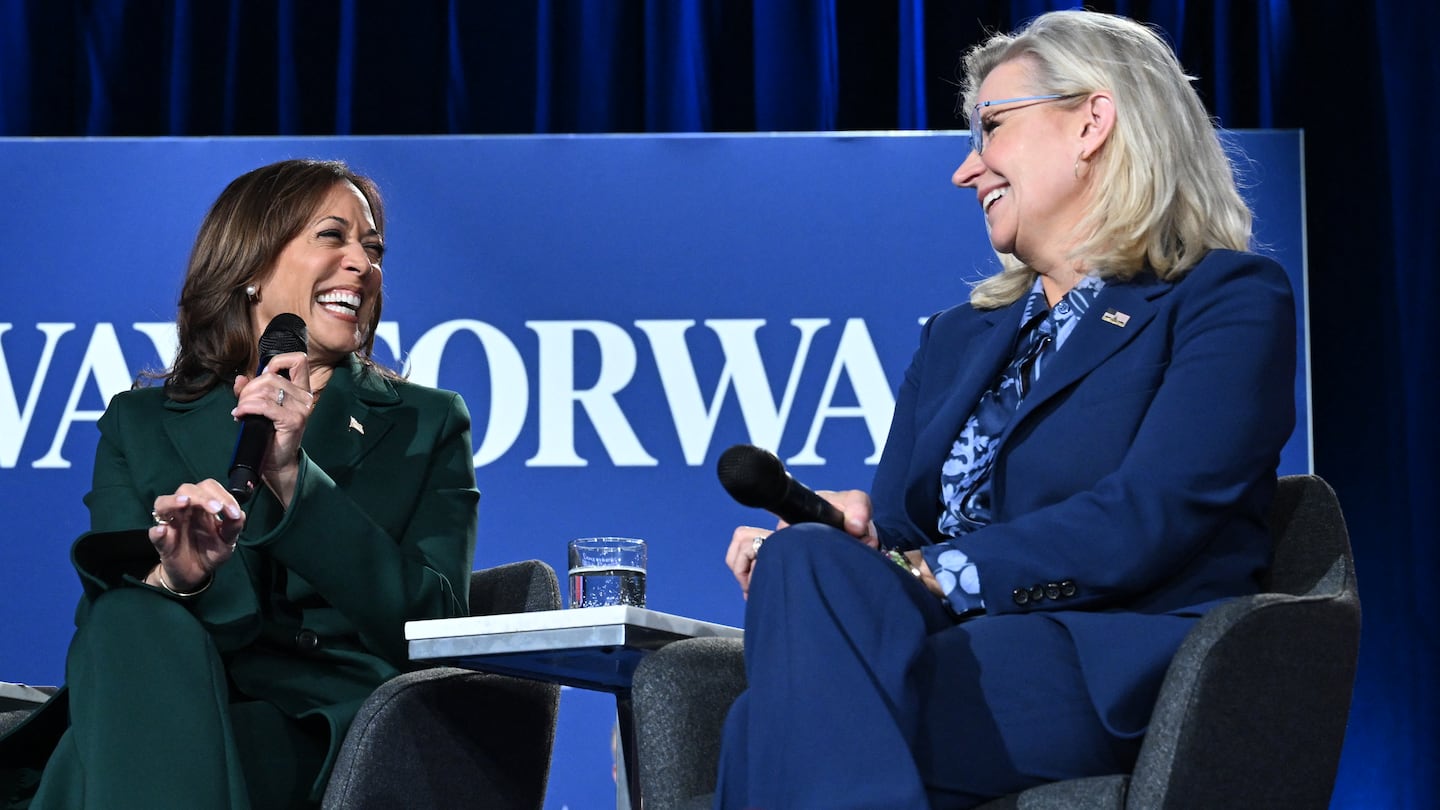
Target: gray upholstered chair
[[1252, 712], [445, 737]]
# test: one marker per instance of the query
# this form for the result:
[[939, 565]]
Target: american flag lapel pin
[[1115, 318], [356, 426]]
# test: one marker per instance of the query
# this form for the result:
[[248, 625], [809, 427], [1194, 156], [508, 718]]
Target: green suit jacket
[[309, 614]]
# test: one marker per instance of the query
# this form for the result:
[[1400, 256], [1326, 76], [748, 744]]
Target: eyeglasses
[[977, 131]]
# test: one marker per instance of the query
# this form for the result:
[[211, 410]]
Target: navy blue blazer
[[1130, 490]]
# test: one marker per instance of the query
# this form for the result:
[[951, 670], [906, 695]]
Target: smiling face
[[329, 275], [1026, 181]]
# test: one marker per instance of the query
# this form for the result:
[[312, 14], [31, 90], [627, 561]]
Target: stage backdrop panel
[[616, 310]]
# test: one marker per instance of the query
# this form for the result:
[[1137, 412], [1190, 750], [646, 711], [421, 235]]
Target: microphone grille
[[285, 333], [753, 476]]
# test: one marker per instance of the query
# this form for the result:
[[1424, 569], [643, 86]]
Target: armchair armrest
[[681, 694], [515, 587], [1253, 706], [445, 737]]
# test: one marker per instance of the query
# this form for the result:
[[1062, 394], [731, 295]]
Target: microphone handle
[[251, 446], [802, 505], [252, 443]]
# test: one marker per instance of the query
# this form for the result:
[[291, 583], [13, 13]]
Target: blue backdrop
[[616, 310]]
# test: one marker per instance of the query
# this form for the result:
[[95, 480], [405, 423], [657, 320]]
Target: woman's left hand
[[194, 534], [926, 578], [287, 403]]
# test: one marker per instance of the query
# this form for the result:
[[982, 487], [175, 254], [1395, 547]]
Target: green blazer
[[309, 614]]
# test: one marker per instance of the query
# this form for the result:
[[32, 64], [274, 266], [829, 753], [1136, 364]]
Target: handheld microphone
[[756, 478], [285, 333]]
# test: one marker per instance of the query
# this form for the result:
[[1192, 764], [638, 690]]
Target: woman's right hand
[[745, 541], [195, 532], [287, 402]]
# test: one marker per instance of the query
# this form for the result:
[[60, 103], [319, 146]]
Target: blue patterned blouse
[[965, 476]]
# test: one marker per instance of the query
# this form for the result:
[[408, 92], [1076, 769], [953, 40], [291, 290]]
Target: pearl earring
[[250, 291]]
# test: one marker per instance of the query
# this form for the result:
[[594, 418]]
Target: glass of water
[[607, 571]]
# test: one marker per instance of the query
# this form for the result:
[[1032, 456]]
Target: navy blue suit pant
[[864, 692]]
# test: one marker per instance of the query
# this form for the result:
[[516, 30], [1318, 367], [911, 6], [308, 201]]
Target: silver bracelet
[[160, 573]]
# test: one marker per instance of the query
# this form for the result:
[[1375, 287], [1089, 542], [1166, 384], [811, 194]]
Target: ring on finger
[[757, 542], [161, 520], [280, 397]]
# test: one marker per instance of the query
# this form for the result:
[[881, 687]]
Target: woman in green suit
[[220, 652]]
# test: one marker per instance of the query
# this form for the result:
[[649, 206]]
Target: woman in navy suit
[[1078, 468]]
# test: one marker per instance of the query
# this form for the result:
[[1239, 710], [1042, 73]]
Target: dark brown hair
[[239, 242]]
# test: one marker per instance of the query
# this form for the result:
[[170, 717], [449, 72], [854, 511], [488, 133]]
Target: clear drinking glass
[[607, 571]]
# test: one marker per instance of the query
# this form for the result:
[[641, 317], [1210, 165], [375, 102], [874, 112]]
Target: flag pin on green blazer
[[356, 426], [1111, 316]]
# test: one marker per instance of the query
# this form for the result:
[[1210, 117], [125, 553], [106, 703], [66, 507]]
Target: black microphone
[[285, 333], [756, 478]]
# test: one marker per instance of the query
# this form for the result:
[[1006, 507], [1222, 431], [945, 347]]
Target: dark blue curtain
[[1359, 78]]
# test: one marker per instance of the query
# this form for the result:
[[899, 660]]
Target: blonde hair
[[1164, 191]]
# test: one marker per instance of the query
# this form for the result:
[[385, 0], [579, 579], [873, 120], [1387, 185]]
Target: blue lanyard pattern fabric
[[965, 476]]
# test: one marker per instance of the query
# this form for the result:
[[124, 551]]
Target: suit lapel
[[973, 364], [350, 419], [347, 424], [1096, 338], [203, 433]]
